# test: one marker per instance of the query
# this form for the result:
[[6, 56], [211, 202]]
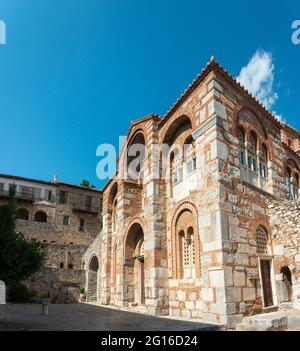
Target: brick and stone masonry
[[65, 217], [212, 233], [202, 241]]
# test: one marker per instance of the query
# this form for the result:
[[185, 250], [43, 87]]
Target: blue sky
[[75, 73]]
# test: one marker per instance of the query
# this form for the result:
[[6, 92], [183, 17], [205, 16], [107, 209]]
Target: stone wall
[[285, 229], [61, 285], [65, 241]]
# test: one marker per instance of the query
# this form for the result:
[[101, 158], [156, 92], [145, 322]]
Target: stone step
[[286, 306], [269, 320], [294, 322], [252, 327]]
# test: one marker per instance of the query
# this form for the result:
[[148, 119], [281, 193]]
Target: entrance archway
[[286, 287], [134, 274], [92, 279]]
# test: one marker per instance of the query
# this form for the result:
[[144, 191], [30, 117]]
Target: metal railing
[[19, 195]]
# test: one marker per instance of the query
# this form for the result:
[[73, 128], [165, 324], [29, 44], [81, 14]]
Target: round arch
[[112, 193], [92, 278], [246, 115], [94, 263], [176, 127], [135, 155], [176, 229], [40, 216], [134, 274]]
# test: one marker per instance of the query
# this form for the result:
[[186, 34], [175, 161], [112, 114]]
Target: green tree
[[86, 184], [19, 258]]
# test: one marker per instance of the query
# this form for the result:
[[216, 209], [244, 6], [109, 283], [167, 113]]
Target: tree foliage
[[19, 258], [86, 184]]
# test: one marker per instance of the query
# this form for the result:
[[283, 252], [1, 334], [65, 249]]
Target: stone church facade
[[213, 232]]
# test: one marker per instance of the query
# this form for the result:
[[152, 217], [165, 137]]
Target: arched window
[[175, 138], [292, 180], [295, 186], [186, 245], [261, 241], [188, 253], [94, 264], [190, 155], [176, 167], [40, 216], [242, 153], [115, 216], [297, 183], [135, 156], [252, 164], [288, 177], [263, 161], [22, 213]]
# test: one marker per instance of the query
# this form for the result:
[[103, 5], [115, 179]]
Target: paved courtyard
[[88, 317]]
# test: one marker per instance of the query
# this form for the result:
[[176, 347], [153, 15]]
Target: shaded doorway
[[93, 279], [286, 285], [265, 268], [134, 272]]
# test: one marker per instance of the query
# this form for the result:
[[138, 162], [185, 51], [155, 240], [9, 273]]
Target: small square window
[[66, 220]]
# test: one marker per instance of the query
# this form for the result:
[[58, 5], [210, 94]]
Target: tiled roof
[[211, 66], [18, 178]]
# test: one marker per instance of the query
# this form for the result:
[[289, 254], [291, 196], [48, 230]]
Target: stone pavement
[[89, 317]]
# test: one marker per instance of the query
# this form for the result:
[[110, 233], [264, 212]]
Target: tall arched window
[[292, 180], [40, 216], [263, 167], [295, 186], [190, 155], [135, 157], [252, 164], [115, 216], [176, 167], [263, 160], [252, 168], [188, 253], [242, 153], [186, 245], [94, 264], [288, 177]]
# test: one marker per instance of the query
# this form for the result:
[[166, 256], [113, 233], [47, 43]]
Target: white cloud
[[258, 77], [280, 118]]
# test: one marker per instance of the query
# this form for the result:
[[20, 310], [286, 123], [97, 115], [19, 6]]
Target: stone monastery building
[[217, 234], [207, 226], [67, 219]]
